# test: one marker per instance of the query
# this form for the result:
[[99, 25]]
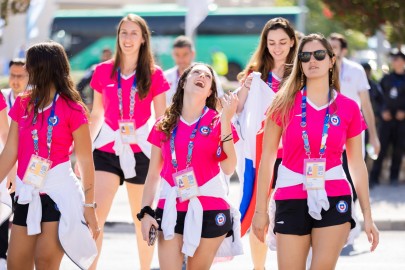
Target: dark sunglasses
[[306, 56]]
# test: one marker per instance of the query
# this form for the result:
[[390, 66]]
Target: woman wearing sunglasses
[[312, 201], [273, 59], [190, 144]]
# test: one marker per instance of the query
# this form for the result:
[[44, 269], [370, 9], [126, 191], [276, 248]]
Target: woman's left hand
[[229, 104], [92, 222], [372, 232]]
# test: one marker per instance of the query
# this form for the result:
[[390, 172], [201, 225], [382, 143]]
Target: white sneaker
[[3, 264]]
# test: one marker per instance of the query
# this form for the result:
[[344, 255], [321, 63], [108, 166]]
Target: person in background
[[273, 58], [392, 130], [183, 55], [84, 83], [124, 89], [376, 94], [17, 81]]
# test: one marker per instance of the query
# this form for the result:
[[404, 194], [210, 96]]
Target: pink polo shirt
[[204, 160], [346, 122], [108, 88], [3, 103], [71, 116]]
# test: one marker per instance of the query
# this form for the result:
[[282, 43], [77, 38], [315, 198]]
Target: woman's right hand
[[147, 222], [248, 81], [260, 225]]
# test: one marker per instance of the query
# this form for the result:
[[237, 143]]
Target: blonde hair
[[281, 107]]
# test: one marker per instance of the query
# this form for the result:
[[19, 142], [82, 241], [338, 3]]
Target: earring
[[331, 77], [302, 79]]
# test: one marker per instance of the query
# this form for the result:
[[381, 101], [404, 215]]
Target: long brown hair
[[284, 101], [261, 60], [48, 66], [146, 62], [173, 112]]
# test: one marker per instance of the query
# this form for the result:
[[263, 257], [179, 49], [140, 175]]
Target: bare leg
[[205, 253], [258, 252], [145, 252], [169, 251], [48, 251], [106, 185], [21, 256], [327, 243], [292, 246]]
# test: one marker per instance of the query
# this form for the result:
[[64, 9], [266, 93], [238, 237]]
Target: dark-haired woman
[[190, 144], [312, 204], [52, 214], [124, 88]]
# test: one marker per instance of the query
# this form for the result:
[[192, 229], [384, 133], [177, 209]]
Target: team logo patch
[[342, 206], [53, 120], [220, 219], [335, 120], [205, 130]]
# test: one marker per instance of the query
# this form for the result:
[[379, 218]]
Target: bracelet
[[227, 140], [227, 137], [244, 85], [146, 210]]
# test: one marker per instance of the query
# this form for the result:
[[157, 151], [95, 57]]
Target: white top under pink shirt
[[346, 122], [71, 116], [204, 160], [107, 86]]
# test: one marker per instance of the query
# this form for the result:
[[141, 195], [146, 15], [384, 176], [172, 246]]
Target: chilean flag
[[248, 148]]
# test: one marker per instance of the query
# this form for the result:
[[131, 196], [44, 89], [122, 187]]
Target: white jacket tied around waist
[[317, 199], [216, 187], [5, 202], [66, 191], [124, 151]]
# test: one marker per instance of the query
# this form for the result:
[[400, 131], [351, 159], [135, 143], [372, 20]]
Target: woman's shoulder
[[345, 101], [105, 66]]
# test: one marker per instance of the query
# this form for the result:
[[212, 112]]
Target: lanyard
[[190, 144], [10, 104], [304, 124], [270, 79], [52, 121], [131, 96]]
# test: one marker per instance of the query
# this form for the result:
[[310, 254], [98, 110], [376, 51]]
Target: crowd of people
[[176, 159]]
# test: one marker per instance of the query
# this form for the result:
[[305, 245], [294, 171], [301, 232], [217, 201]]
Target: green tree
[[368, 16], [9, 7]]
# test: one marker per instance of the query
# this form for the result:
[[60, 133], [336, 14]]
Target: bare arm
[[230, 102], [150, 188], [271, 139], [96, 116], [84, 156], [243, 92], [358, 171], [3, 139], [159, 104], [368, 113], [8, 157]]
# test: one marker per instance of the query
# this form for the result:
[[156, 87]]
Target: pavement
[[388, 209]]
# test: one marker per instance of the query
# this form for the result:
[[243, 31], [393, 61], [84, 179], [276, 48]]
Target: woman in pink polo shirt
[[124, 89], [190, 144], [312, 204], [52, 206]]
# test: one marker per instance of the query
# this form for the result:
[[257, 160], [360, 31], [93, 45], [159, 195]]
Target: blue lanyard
[[131, 97], [52, 121], [270, 79], [190, 144], [9, 100], [304, 124]]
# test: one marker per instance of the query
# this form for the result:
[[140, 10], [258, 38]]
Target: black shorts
[[215, 223], [292, 216], [50, 211], [110, 162]]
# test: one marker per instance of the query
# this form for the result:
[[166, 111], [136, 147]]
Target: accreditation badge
[[36, 172], [127, 131], [186, 184], [314, 171]]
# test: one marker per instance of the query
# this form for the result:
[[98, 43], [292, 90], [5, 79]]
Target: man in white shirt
[[183, 55], [18, 80]]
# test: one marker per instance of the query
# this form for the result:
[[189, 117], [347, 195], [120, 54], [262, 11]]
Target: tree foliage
[[9, 7], [368, 16]]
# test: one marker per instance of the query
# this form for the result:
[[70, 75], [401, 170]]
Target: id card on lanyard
[[185, 180], [314, 168], [38, 167], [127, 126]]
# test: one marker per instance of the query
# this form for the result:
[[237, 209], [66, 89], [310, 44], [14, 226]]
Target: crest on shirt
[[342, 207], [335, 120], [205, 130], [53, 121], [220, 219]]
